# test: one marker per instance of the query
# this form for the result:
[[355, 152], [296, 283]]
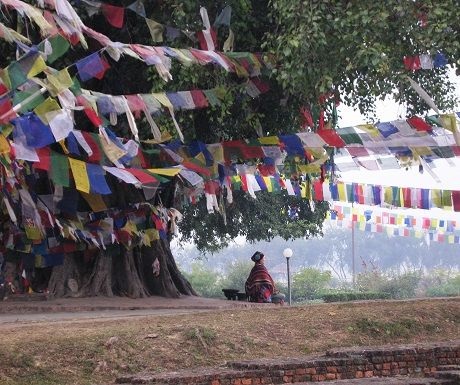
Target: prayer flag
[[80, 175], [114, 15], [98, 184], [90, 66], [156, 30], [59, 169]]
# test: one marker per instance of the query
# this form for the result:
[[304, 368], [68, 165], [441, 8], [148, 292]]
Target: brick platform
[[409, 365]]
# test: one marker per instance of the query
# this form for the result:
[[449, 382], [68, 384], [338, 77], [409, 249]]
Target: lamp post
[[288, 254]]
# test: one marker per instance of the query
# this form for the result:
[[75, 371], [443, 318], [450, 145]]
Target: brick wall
[[415, 360]]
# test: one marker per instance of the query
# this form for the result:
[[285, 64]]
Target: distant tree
[[236, 275], [205, 281], [309, 282]]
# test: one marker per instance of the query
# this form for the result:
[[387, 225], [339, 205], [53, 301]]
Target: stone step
[[386, 381], [447, 374], [441, 368]]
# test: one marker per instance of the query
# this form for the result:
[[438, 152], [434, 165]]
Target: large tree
[[323, 51]]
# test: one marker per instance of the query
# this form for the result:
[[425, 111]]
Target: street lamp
[[288, 254]]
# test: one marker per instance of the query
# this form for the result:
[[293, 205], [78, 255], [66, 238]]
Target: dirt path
[[20, 320], [27, 310]]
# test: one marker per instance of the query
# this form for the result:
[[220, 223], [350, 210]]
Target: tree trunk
[[169, 281], [65, 278], [126, 275], [99, 280], [136, 272]]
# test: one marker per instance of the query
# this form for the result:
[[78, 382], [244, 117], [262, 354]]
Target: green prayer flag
[[22, 95], [75, 87], [17, 75], [59, 169], [160, 178], [59, 45], [212, 97]]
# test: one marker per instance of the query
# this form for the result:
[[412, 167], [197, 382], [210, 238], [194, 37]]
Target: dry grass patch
[[96, 352]]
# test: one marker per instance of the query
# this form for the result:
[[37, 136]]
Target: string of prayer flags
[[425, 61]]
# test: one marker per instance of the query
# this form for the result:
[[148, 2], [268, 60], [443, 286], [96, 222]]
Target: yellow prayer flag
[[309, 168], [184, 59], [38, 67], [451, 239], [268, 183], [59, 81], [434, 223], [388, 195], [94, 201], [48, 105], [4, 145], [217, 152], [370, 129], [5, 78], [80, 175], [153, 234], [342, 192], [303, 190], [436, 198], [200, 157], [165, 137], [130, 227], [269, 140], [422, 151], [400, 219], [112, 151], [162, 98], [449, 122], [165, 171], [64, 147]]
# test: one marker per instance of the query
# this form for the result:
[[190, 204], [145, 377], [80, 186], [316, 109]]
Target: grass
[[88, 352]]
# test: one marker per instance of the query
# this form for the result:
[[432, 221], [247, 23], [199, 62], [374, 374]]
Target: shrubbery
[[449, 288], [344, 296], [308, 283]]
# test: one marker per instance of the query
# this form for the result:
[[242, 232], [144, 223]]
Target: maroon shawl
[[259, 285]]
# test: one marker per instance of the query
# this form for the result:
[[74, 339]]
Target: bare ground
[[89, 352]]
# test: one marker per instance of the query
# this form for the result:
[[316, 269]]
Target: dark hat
[[257, 256]]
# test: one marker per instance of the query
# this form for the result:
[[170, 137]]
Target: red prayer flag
[[44, 154], [95, 119], [244, 182], [318, 189], [199, 99], [115, 15], [96, 156], [331, 138], [419, 124], [203, 42], [143, 177], [105, 66], [412, 63], [407, 197], [456, 200]]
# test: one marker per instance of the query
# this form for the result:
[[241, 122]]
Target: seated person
[[260, 286]]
